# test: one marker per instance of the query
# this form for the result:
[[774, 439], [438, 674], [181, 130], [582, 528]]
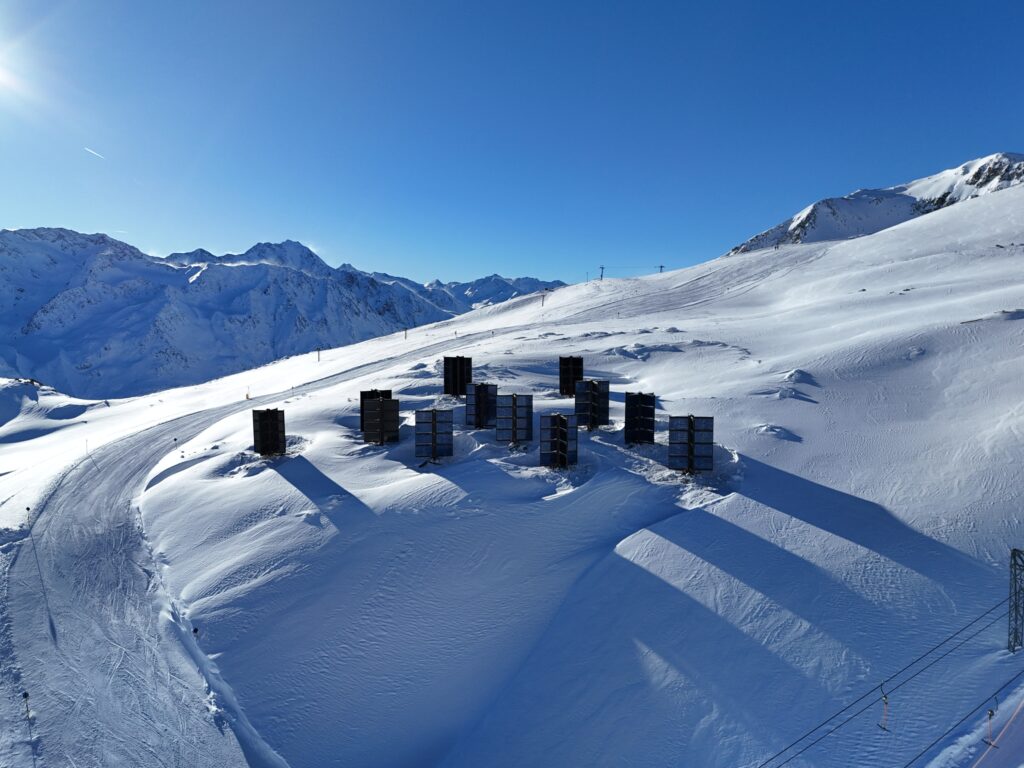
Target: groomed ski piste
[[354, 608]]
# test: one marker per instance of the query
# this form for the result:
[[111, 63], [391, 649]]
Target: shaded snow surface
[[356, 608]]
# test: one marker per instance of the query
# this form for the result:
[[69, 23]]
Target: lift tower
[[1016, 600]]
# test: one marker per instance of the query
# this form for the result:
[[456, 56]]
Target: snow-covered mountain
[[183, 601], [871, 210], [96, 317], [462, 297]]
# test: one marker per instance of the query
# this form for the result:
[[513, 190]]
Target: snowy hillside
[[96, 317], [353, 607], [871, 210]]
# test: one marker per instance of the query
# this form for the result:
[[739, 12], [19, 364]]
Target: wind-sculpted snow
[[97, 318], [358, 607]]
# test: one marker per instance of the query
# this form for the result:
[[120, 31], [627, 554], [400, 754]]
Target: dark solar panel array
[[514, 419], [691, 443], [592, 398], [380, 420], [458, 373], [435, 436], [268, 431], [481, 405], [559, 440]]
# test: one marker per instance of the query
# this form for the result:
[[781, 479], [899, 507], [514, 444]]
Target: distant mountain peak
[[458, 297], [68, 240], [867, 211], [289, 254], [95, 316]]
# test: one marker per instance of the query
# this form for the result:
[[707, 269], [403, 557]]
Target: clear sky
[[455, 139]]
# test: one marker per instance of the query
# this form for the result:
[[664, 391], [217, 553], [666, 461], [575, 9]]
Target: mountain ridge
[[97, 317], [866, 211]]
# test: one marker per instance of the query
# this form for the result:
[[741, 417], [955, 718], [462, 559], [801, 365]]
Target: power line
[[964, 719], [861, 698], [870, 704]]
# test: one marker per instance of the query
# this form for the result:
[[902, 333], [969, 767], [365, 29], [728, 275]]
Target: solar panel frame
[[640, 420], [592, 403], [268, 433], [691, 446], [381, 422], [570, 371], [458, 375], [370, 394], [559, 440], [435, 435], [481, 405], [514, 419]]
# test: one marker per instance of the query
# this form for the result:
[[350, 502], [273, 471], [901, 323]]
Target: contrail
[[94, 152]]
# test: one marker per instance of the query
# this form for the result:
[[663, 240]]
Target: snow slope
[[356, 608], [871, 210], [95, 317]]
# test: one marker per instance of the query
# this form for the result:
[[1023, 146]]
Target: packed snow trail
[[109, 680]]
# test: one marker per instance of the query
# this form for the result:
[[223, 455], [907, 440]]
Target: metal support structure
[[1016, 635]]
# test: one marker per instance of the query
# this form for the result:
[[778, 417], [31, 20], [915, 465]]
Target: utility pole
[[318, 354], [661, 268], [602, 271]]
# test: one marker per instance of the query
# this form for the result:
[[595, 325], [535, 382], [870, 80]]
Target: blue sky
[[455, 139]]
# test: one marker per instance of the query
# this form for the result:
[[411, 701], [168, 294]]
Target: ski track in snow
[[110, 681]]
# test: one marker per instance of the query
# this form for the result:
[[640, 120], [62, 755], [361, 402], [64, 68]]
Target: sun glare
[[8, 82], [14, 89], [17, 92]]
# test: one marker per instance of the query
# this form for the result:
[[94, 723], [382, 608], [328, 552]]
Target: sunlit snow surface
[[357, 609]]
